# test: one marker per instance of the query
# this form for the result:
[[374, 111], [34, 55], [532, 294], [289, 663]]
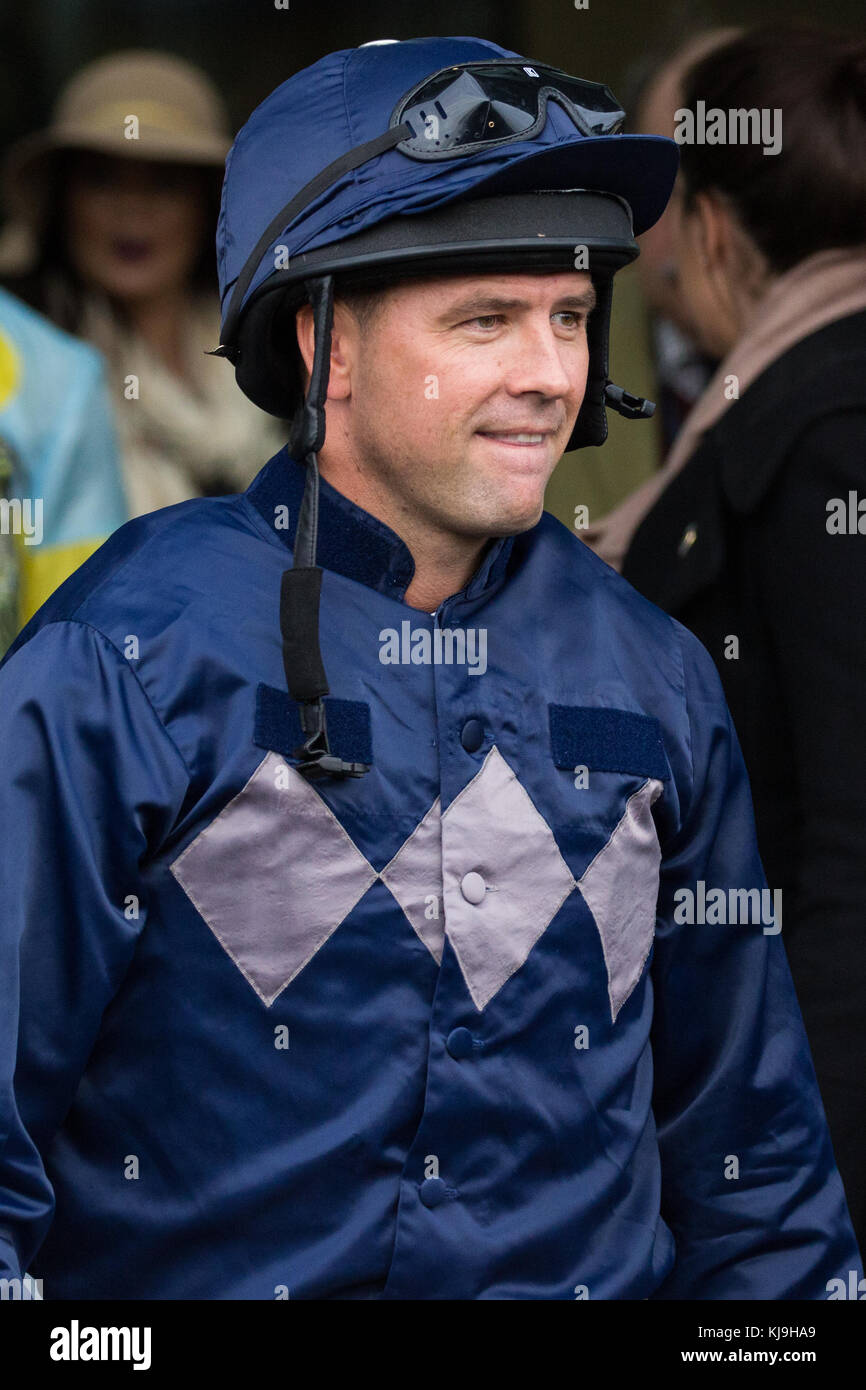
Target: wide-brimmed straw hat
[[180, 117]]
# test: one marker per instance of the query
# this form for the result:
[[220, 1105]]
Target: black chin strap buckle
[[316, 758], [624, 403]]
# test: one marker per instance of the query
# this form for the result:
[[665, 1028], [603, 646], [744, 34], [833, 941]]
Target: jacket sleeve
[[817, 641], [750, 1188], [90, 783]]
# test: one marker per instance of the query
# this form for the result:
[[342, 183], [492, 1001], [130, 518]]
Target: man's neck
[[444, 562], [431, 584]]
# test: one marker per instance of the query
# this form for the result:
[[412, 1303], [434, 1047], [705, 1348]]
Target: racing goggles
[[477, 106]]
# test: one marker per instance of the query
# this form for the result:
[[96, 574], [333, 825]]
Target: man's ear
[[342, 343]]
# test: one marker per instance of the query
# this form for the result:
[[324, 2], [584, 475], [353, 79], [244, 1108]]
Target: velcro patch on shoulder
[[607, 740], [278, 725]]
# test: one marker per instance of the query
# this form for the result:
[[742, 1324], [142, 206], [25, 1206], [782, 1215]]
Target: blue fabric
[[155, 1139], [278, 725], [346, 99], [607, 740]]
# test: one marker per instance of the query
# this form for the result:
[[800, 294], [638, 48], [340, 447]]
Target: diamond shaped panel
[[493, 830], [414, 875], [273, 875]]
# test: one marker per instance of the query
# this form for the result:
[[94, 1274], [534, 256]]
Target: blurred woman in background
[[757, 541], [120, 197]]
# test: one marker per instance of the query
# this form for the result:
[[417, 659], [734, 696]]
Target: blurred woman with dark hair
[[756, 538], [120, 197]]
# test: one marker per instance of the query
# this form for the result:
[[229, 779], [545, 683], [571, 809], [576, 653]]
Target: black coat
[[738, 546]]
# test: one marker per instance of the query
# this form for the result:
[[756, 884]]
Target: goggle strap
[[310, 191]]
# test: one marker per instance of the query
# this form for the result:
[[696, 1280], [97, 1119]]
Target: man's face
[[461, 397]]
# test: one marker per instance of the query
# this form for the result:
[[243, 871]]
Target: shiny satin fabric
[[241, 1053]]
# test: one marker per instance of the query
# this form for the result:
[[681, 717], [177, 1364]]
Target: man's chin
[[512, 516], [523, 500]]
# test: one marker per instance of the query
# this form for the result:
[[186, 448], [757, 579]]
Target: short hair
[[364, 304]]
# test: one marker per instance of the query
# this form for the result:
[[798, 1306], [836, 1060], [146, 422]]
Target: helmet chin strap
[[301, 586]]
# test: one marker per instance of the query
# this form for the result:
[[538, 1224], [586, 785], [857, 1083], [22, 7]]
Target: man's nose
[[538, 363]]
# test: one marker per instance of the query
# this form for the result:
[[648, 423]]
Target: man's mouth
[[524, 438]]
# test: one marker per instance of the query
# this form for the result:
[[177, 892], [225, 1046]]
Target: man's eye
[[491, 319]]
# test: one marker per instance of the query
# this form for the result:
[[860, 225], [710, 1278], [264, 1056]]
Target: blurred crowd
[[748, 523], [110, 406]]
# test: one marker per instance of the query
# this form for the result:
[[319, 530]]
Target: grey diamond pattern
[[620, 888], [488, 871], [414, 876], [270, 906], [493, 829]]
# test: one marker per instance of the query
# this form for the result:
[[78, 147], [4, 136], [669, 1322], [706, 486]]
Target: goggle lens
[[473, 105]]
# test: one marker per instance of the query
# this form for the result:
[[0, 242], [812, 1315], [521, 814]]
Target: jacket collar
[[351, 542]]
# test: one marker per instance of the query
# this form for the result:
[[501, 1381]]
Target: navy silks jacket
[[466, 1027]]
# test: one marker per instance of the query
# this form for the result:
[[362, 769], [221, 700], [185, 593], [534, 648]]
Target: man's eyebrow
[[489, 303]]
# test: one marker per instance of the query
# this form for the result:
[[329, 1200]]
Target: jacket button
[[473, 887], [687, 540], [472, 735], [459, 1043], [432, 1192]]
